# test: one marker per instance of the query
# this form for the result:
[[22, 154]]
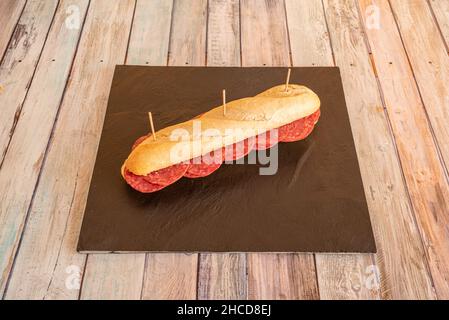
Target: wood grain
[[441, 11], [10, 11], [148, 44], [23, 161], [400, 257], [188, 34], [265, 42], [174, 275], [347, 277], [422, 168], [339, 276], [283, 276], [47, 256], [309, 38], [223, 38], [429, 60], [170, 276], [412, 123], [150, 33], [264, 33], [19, 63], [223, 276], [113, 277]]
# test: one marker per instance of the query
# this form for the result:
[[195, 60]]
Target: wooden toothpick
[[150, 116], [288, 79], [224, 102]]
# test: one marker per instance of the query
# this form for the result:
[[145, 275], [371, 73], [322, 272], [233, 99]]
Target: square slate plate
[[315, 202]]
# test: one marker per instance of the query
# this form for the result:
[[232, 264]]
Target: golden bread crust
[[244, 118]]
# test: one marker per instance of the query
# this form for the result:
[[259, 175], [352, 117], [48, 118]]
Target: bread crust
[[244, 118]]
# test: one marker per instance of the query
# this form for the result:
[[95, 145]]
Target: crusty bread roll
[[246, 118]]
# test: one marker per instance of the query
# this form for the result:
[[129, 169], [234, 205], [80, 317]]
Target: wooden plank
[[148, 44], [309, 39], [19, 63], [429, 60], [174, 275], [188, 34], [23, 161], [113, 277], [265, 42], [441, 11], [347, 277], [339, 276], [400, 256], [223, 276], [281, 276], [223, 37], [47, 262], [150, 33], [10, 11], [422, 168], [170, 276], [264, 33]]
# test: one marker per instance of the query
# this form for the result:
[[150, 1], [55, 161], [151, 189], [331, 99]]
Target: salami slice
[[266, 140], [205, 165], [139, 141], [311, 121], [315, 116], [140, 184], [299, 129], [167, 175], [292, 131], [238, 150]]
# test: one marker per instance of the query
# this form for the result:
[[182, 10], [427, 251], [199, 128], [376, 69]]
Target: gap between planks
[[40, 271], [399, 277]]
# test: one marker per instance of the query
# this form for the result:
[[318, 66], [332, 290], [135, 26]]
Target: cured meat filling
[[207, 164]]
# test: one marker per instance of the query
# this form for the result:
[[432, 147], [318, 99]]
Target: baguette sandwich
[[198, 147]]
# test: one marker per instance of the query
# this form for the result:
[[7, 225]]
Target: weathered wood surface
[[265, 42], [10, 11], [29, 143], [397, 101], [188, 33], [113, 277], [223, 33], [47, 258], [19, 62], [148, 43], [171, 275], [223, 276], [423, 170], [441, 12], [150, 33], [403, 270], [429, 59], [339, 276]]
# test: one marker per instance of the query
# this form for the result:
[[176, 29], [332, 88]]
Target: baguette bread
[[244, 118]]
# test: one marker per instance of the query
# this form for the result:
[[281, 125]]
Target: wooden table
[[57, 63]]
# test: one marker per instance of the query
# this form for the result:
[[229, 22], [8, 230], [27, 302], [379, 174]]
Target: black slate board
[[315, 202]]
